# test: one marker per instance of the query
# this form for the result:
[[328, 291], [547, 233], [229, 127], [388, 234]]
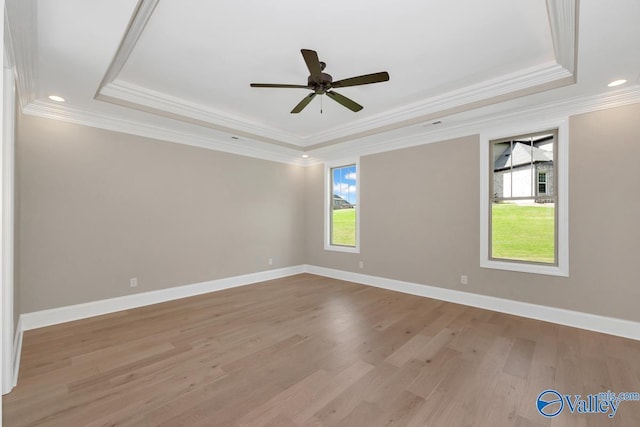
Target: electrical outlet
[[133, 282], [270, 261], [361, 264], [464, 279]]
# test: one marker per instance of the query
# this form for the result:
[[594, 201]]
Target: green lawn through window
[[523, 232], [344, 227]]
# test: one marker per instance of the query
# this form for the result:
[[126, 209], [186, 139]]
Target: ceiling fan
[[322, 83]]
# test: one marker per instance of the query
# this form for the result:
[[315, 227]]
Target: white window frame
[[561, 165], [328, 205]]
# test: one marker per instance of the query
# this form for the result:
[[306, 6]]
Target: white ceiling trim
[[564, 31], [130, 95], [502, 88], [23, 56], [214, 127], [370, 145], [482, 94], [139, 18], [540, 113], [562, 21], [255, 149], [134, 96]]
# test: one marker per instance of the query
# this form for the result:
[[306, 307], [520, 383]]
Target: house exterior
[[340, 203], [524, 169]]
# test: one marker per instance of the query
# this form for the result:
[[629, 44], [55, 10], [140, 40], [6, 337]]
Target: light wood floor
[[312, 351]]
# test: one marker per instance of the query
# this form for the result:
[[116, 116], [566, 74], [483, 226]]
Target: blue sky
[[344, 183]]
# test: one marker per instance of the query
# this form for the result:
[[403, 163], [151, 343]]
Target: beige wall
[[96, 208], [420, 209]]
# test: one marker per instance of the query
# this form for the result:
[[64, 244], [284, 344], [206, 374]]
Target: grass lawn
[[524, 233], [344, 227]]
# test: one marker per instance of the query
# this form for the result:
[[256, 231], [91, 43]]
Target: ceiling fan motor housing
[[321, 86]]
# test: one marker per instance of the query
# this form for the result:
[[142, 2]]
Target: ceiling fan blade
[[341, 99], [305, 101], [280, 86], [362, 80], [313, 64]]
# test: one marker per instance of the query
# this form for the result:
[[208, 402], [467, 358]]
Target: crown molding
[[562, 20], [255, 149], [133, 96], [564, 31], [358, 147], [21, 45], [140, 98], [474, 96], [139, 18], [561, 108], [276, 145]]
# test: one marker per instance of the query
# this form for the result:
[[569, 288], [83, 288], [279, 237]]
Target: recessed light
[[305, 156], [56, 98], [617, 83]]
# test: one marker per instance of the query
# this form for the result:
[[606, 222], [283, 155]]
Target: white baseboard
[[54, 316], [592, 322], [576, 319], [17, 351]]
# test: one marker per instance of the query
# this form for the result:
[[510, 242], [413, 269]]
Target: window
[[542, 183], [524, 202], [341, 209]]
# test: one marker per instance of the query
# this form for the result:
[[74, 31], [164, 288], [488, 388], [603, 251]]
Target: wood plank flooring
[[313, 351]]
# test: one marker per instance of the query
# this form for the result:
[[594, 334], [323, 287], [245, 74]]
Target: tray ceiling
[[187, 65]]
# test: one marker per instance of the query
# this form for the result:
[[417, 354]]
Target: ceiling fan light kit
[[322, 83]]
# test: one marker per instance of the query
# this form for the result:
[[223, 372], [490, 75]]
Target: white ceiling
[[182, 68]]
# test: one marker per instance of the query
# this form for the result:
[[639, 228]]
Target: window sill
[[348, 249], [550, 270]]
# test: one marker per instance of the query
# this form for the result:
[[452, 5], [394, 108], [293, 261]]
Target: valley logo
[[551, 403]]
